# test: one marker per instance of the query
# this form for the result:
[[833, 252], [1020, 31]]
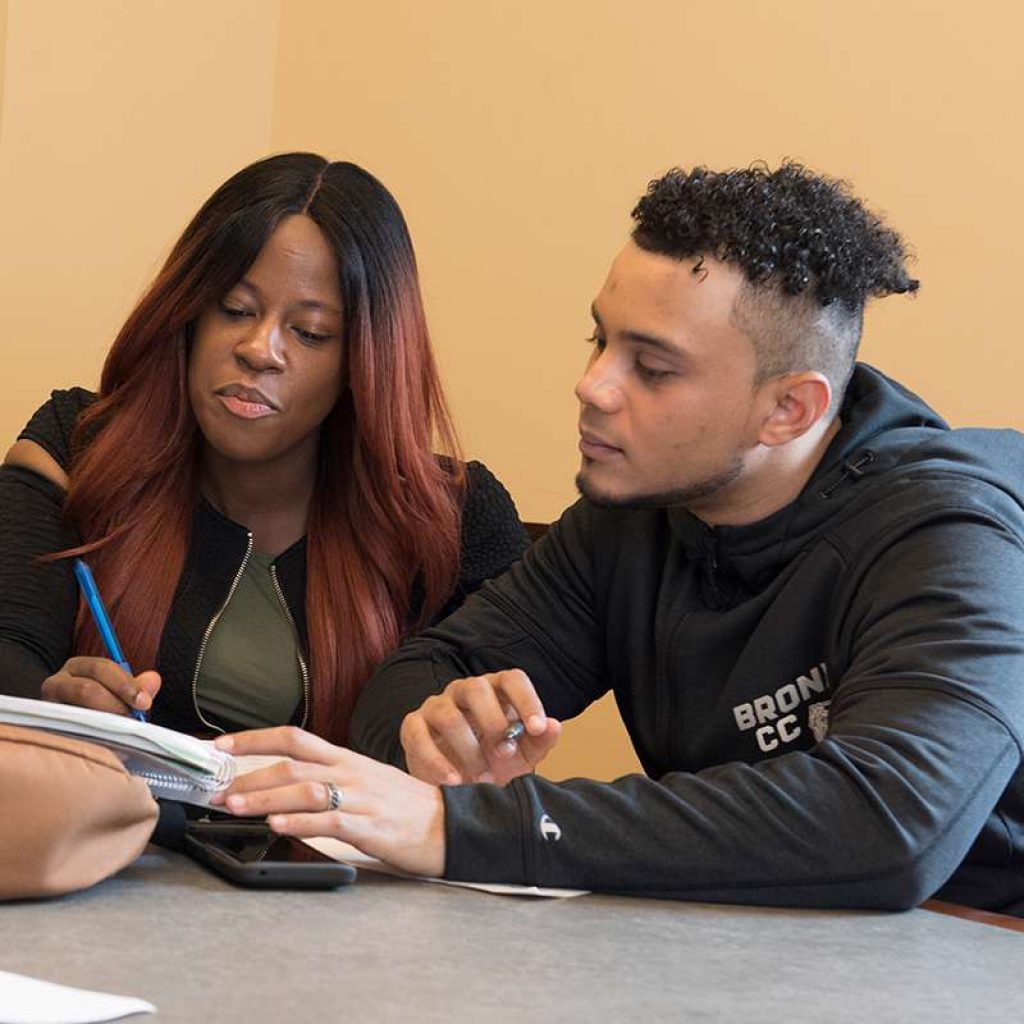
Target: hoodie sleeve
[[924, 737]]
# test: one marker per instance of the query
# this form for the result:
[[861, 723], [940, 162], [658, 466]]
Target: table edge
[[989, 917]]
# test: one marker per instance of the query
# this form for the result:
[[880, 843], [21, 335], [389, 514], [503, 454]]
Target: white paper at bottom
[[337, 850], [31, 1001]]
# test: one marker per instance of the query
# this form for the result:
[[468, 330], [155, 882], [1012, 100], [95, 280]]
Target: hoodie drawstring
[[850, 471]]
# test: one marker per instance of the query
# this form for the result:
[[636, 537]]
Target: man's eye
[[651, 374]]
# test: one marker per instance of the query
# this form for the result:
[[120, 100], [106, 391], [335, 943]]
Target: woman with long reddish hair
[[254, 485]]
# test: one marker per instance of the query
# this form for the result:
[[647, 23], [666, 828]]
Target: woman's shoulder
[[492, 535], [483, 486], [52, 423]]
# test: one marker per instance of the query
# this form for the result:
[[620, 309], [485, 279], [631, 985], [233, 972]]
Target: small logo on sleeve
[[817, 719], [549, 829]]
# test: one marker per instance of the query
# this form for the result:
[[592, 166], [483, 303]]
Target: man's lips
[[595, 447], [248, 403]]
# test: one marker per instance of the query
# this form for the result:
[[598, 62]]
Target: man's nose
[[598, 386]]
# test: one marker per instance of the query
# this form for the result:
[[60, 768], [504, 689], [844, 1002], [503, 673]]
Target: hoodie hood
[[888, 437]]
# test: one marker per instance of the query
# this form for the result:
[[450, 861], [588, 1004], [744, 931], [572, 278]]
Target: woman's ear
[[797, 401]]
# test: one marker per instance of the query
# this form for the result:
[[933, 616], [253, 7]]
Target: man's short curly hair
[[811, 254]]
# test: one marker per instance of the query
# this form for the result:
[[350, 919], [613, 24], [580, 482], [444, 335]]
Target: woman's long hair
[[383, 524]]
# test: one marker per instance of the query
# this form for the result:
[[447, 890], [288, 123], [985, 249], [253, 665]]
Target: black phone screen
[[251, 849], [254, 856]]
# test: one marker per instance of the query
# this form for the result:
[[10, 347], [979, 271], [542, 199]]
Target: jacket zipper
[[711, 568], [209, 630], [298, 650]]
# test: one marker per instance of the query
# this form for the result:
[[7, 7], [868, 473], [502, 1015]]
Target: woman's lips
[[244, 408]]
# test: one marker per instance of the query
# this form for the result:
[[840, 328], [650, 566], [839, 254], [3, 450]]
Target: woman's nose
[[262, 348]]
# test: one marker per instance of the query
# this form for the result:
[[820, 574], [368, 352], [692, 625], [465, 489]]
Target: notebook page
[[121, 731]]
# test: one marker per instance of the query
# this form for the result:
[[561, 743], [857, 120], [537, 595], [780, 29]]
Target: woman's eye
[[233, 311], [311, 335], [596, 340]]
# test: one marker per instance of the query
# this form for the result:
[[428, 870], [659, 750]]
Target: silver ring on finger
[[334, 796]]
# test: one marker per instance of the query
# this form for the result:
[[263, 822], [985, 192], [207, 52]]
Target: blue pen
[[103, 623]]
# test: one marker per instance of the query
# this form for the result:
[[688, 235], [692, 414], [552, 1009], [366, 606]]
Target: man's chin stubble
[[659, 499]]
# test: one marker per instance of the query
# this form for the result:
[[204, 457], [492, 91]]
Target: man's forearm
[[860, 821]]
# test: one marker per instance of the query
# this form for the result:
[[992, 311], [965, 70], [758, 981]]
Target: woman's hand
[[382, 811], [459, 734], [101, 684]]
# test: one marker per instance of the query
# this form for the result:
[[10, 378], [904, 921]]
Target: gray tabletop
[[388, 950]]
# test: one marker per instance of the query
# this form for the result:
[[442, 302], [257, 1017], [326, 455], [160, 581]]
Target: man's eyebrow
[[302, 303], [641, 338]]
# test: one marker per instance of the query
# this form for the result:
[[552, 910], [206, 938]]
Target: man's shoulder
[[972, 474], [965, 464]]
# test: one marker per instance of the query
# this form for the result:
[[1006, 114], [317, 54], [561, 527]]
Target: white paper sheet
[[25, 1000], [337, 850]]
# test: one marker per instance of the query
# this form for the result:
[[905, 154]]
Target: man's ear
[[796, 402]]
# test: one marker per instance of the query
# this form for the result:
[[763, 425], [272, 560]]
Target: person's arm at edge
[[39, 600]]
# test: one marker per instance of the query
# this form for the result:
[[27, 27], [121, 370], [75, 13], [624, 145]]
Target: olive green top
[[249, 676]]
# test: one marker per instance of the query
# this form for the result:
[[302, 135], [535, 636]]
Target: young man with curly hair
[[804, 589]]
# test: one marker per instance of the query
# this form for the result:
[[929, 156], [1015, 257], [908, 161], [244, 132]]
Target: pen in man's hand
[[103, 623], [514, 731]]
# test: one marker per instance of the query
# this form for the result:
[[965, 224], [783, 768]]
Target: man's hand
[[383, 812], [459, 734], [101, 684]]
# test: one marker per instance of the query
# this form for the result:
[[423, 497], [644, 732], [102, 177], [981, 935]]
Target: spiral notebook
[[175, 766]]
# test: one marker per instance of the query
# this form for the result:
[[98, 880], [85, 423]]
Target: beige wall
[[3, 54], [516, 134], [117, 119]]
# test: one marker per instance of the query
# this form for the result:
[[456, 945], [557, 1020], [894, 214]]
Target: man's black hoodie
[[828, 704]]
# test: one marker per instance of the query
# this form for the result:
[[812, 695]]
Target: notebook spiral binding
[[177, 783]]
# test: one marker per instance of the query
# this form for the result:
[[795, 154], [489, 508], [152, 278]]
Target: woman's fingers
[[312, 797], [285, 741], [148, 685], [385, 813], [85, 693], [101, 684], [381, 810]]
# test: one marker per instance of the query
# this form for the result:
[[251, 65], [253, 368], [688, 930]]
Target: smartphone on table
[[250, 854]]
